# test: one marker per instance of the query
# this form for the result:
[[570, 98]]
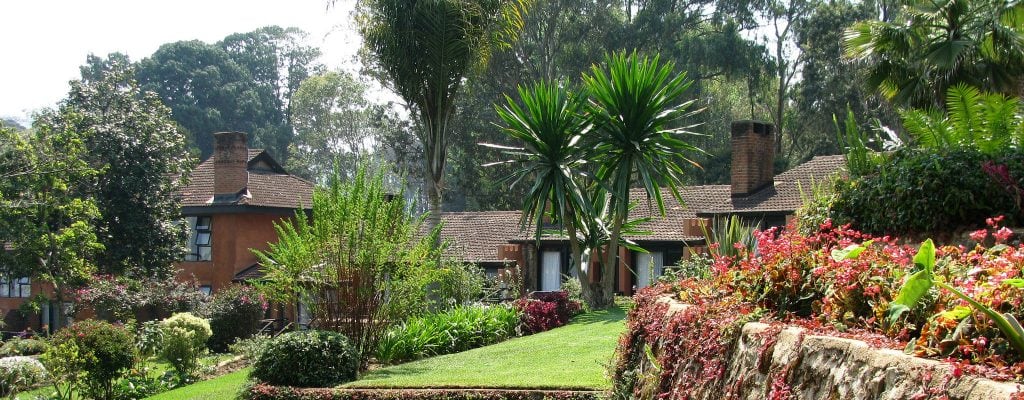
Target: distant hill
[[10, 122]]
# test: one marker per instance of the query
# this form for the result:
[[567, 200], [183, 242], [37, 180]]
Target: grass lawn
[[574, 356], [223, 387]]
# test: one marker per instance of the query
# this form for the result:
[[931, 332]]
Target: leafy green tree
[[46, 225], [334, 123], [424, 51], [242, 83], [128, 136], [932, 46]]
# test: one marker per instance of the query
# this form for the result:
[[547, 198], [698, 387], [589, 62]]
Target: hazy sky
[[43, 42]]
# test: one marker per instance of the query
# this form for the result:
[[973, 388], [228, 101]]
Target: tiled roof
[[253, 272], [268, 187], [476, 236]]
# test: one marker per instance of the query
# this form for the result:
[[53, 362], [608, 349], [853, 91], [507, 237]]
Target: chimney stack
[[230, 162], [753, 156]]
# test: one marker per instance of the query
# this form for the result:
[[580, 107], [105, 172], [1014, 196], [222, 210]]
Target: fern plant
[[987, 122]]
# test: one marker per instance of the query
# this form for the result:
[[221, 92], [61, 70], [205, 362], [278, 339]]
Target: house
[[231, 204], [754, 193]]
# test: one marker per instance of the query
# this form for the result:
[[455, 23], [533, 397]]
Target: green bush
[[925, 192], [184, 340], [307, 359], [22, 347], [90, 356], [250, 347], [452, 331], [234, 313], [19, 373]]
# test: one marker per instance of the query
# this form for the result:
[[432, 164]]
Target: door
[[550, 271], [650, 268]]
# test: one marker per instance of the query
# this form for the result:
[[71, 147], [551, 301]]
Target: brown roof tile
[[268, 187], [475, 236]]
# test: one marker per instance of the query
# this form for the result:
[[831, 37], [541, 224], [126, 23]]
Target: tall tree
[[932, 46], [242, 83], [425, 49], [129, 136], [335, 123], [47, 226]]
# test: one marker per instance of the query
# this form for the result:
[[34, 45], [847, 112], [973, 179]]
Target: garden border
[[267, 392]]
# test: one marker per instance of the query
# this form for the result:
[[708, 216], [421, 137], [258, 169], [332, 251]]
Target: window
[[19, 287], [200, 237], [206, 289]]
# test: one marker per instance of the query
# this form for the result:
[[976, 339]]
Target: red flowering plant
[[847, 279]]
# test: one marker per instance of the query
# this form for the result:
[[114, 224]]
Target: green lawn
[[574, 356], [220, 388]]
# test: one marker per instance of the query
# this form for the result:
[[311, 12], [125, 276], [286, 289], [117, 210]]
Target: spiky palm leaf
[[550, 127]]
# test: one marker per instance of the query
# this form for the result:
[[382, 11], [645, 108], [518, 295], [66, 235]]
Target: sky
[[45, 41]]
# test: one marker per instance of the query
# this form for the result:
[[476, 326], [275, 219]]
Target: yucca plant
[[727, 232], [638, 114]]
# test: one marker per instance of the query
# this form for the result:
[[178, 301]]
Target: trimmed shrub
[[924, 192], [184, 340], [546, 311], [234, 314], [452, 331], [22, 347], [19, 373], [307, 359], [93, 355]]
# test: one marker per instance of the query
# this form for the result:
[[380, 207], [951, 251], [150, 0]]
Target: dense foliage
[[183, 341], [310, 358], [135, 147], [90, 356], [20, 373], [121, 298], [546, 311], [920, 191], [234, 313], [361, 264], [22, 347], [452, 331]]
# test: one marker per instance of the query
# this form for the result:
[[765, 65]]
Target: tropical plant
[[919, 283], [988, 122], [729, 236], [550, 127], [360, 266], [636, 109], [934, 46], [455, 330], [424, 51]]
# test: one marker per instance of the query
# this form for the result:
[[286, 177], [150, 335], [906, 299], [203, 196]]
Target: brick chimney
[[230, 161], [753, 156]]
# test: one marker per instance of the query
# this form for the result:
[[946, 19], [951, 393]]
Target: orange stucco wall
[[232, 237]]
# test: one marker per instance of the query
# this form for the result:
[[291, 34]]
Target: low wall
[[775, 362]]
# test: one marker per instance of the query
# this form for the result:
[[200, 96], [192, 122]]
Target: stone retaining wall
[[789, 364]]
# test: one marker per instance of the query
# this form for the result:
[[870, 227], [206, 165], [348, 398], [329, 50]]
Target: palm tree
[[550, 126], [425, 49], [635, 110], [940, 44]]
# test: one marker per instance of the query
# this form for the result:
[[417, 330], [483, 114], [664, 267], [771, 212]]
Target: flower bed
[[265, 392], [838, 281]]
